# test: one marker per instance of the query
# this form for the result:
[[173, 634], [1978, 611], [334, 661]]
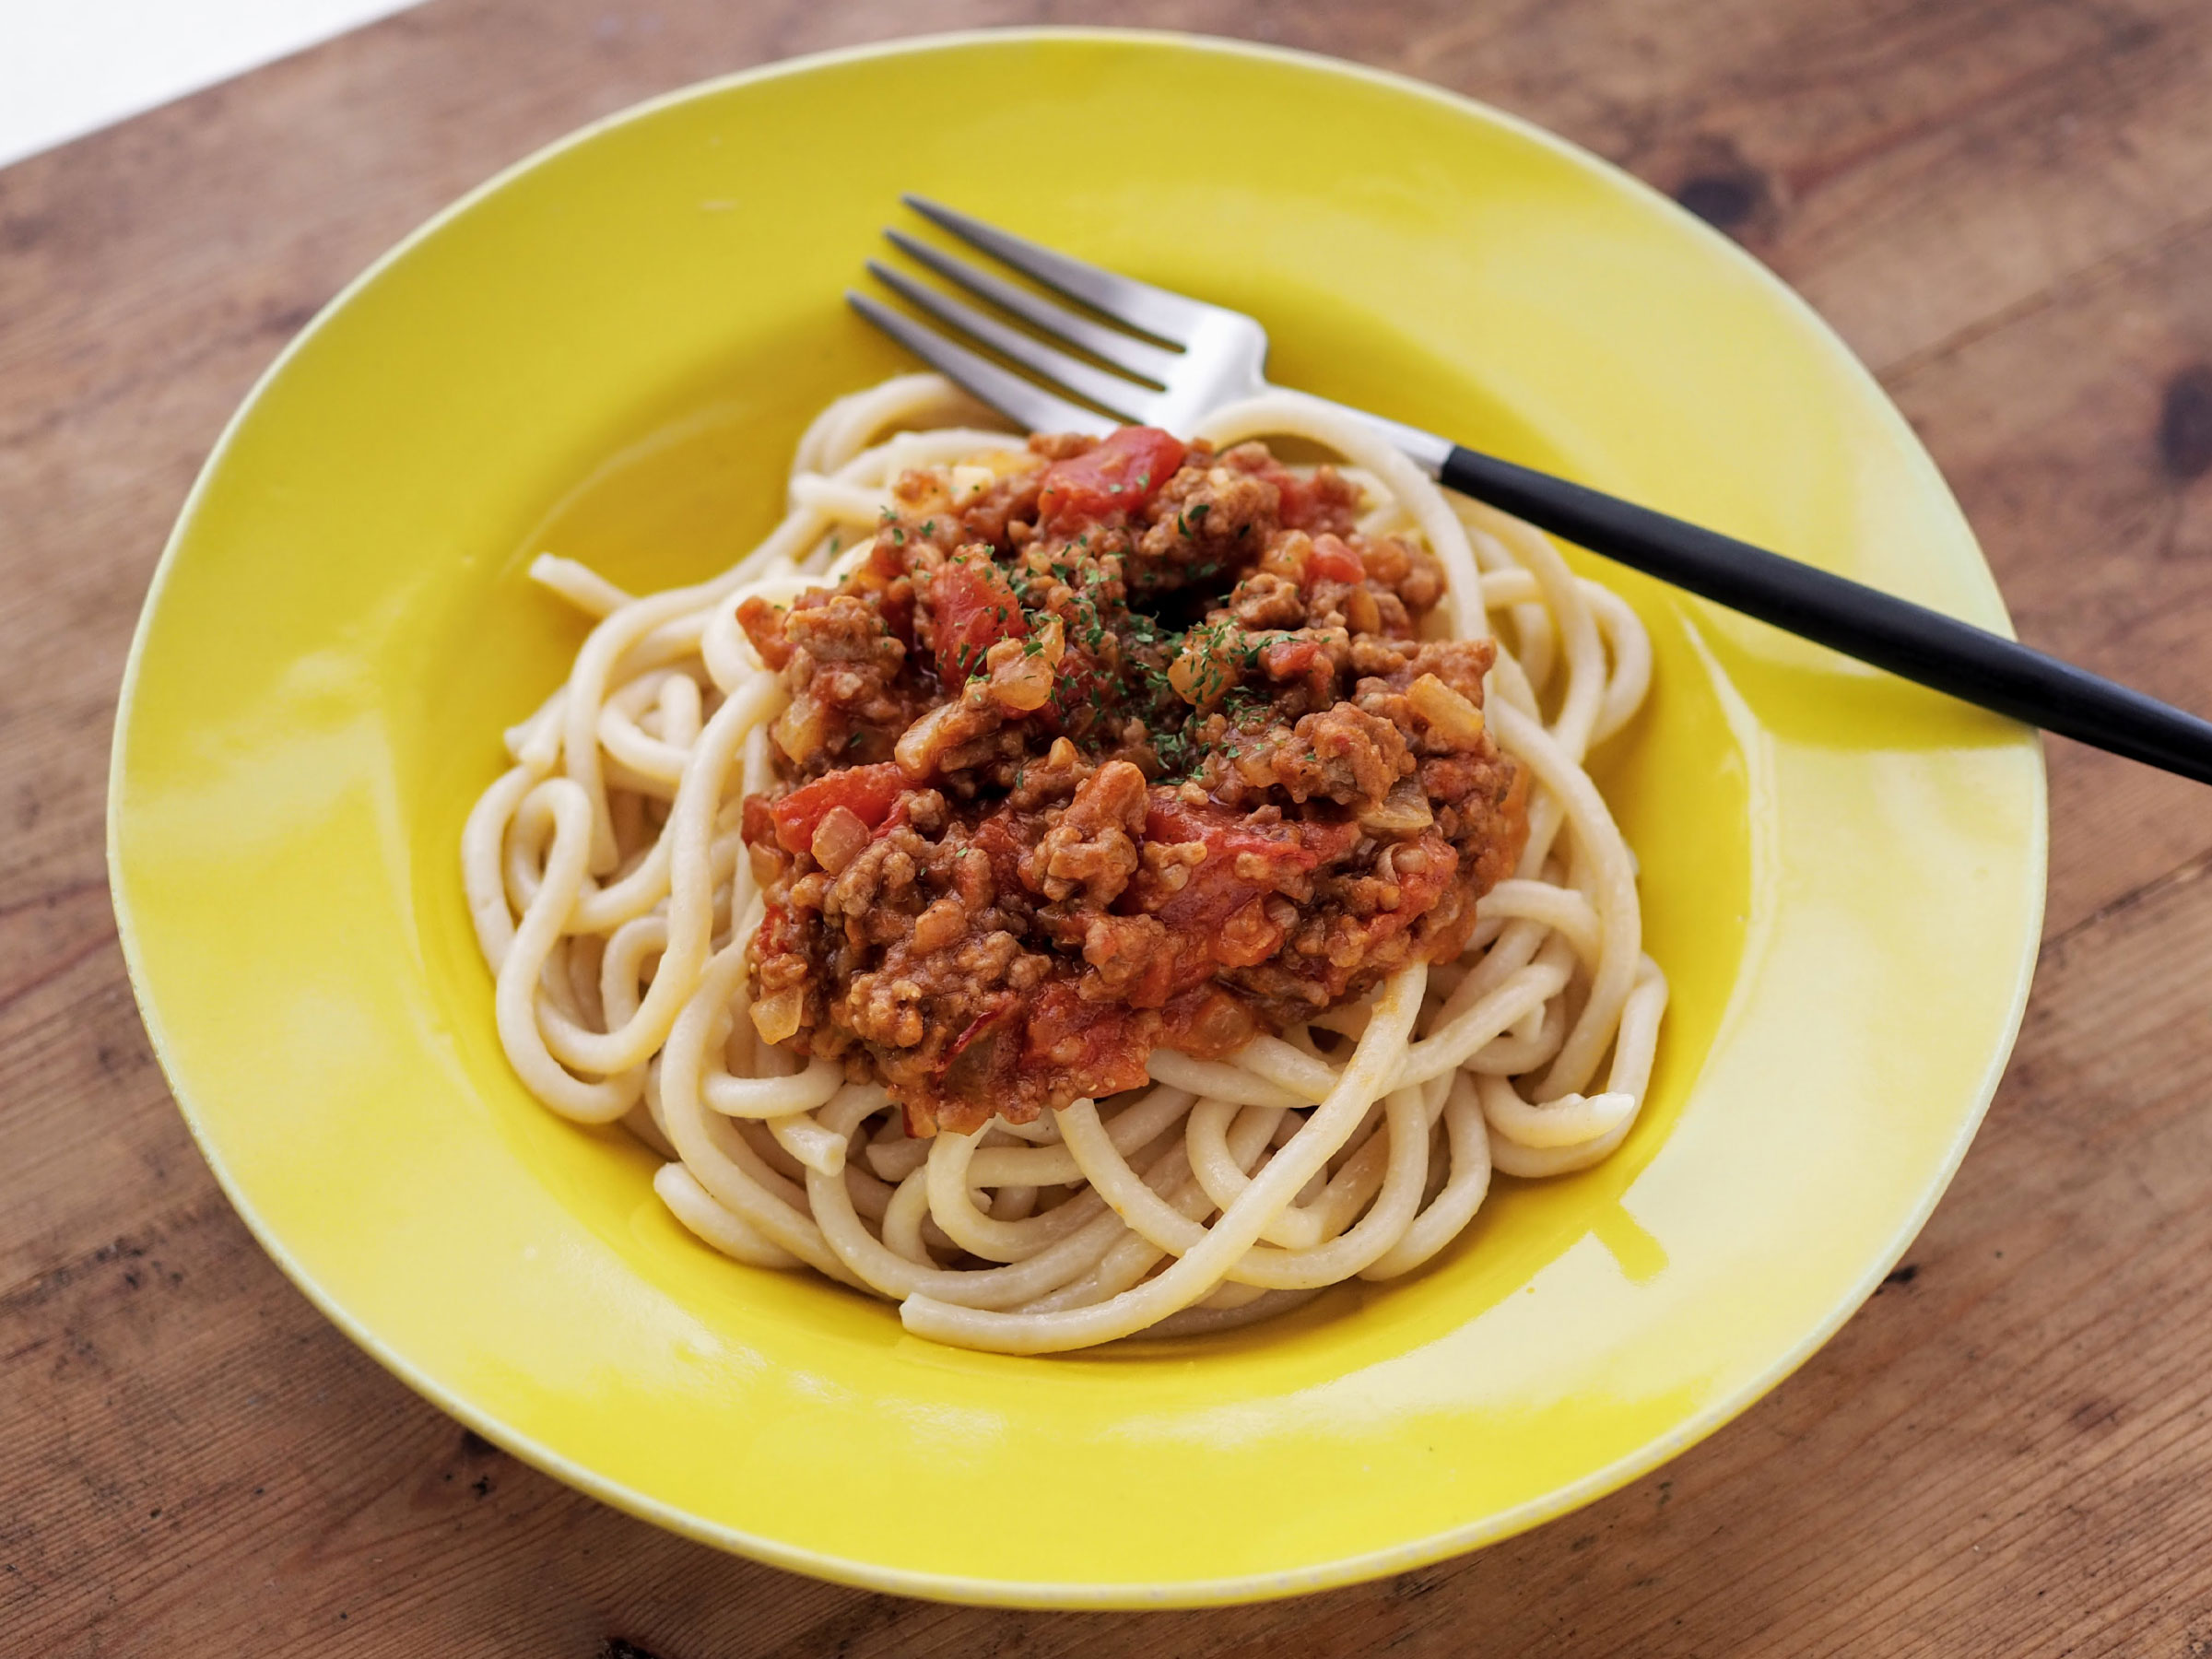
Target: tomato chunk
[[870, 792], [1120, 476], [1287, 659], [975, 608], [1320, 500], [1335, 560], [763, 625], [1215, 910], [1102, 1045]]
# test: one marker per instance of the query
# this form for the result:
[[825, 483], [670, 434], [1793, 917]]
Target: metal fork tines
[[1170, 360], [1150, 356]]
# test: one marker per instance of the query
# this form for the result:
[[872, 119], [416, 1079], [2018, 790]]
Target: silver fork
[[1213, 356], [1175, 359]]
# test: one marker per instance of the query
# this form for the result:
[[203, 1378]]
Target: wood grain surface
[[2006, 206]]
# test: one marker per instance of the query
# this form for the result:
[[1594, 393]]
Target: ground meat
[[1344, 754], [1137, 745], [842, 664], [1093, 846]]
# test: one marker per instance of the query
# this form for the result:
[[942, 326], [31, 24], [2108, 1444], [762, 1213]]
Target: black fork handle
[[1908, 639]]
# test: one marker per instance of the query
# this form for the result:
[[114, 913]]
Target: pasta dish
[[1075, 887]]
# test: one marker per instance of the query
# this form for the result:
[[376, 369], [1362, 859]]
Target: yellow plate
[[607, 353]]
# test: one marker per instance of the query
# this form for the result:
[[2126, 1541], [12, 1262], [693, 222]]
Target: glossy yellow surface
[[607, 353]]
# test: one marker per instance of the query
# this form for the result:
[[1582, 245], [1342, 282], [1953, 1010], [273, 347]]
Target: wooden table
[[2006, 208]]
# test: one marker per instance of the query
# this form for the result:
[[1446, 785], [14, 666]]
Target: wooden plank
[[2001, 203], [2078, 437]]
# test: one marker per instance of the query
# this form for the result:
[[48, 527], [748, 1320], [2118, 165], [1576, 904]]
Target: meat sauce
[[1108, 745]]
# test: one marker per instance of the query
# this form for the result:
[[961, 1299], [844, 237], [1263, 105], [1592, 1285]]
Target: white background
[[68, 66]]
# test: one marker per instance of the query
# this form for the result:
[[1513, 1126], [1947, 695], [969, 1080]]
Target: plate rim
[[982, 1590]]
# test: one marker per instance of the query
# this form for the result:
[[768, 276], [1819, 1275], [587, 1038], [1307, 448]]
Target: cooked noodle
[[608, 879]]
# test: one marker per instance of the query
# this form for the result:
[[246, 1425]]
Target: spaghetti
[[654, 889]]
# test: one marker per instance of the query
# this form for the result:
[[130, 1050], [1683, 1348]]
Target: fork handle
[[1908, 639]]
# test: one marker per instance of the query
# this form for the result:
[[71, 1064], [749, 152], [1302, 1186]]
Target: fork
[[1173, 359]]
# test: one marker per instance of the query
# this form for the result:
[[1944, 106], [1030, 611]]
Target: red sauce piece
[[869, 791], [763, 625], [1308, 502], [1336, 560], [1120, 476], [984, 1061], [1099, 1042], [1288, 659], [1219, 912], [975, 607]]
